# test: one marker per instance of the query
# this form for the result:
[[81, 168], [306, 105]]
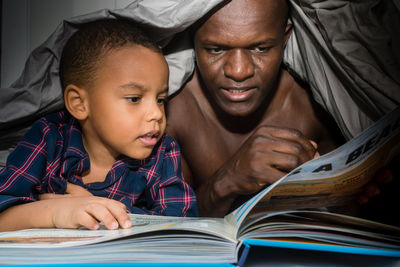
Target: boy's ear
[[75, 99], [288, 32]]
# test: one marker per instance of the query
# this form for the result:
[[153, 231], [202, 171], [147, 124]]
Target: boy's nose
[[155, 112], [239, 65]]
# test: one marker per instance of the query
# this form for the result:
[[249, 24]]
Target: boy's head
[[84, 50], [115, 81], [239, 50]]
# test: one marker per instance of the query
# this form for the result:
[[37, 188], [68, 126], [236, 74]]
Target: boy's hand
[[88, 212], [72, 190], [82, 209]]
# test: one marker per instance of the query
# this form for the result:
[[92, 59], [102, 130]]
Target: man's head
[[239, 51], [115, 80]]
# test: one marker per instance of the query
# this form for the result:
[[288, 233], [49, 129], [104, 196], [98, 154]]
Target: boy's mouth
[[150, 138]]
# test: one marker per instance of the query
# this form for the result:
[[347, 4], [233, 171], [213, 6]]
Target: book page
[[49, 238], [321, 226], [333, 178]]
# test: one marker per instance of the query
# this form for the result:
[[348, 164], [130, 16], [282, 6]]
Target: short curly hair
[[85, 49]]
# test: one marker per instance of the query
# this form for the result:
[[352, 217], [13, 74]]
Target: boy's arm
[[73, 212], [21, 178], [23, 216], [72, 190], [21, 182]]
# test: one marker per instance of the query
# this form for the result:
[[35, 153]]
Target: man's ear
[[75, 99], [288, 32]]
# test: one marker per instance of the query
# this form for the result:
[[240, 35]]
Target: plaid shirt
[[52, 154]]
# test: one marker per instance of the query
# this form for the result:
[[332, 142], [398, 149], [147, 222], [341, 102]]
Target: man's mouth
[[149, 139], [238, 94]]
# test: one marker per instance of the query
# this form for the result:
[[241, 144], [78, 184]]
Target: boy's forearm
[[36, 214]]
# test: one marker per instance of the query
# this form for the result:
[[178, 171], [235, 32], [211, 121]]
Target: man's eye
[[133, 99], [214, 50], [261, 49]]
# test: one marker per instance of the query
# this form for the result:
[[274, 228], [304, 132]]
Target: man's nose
[[239, 65]]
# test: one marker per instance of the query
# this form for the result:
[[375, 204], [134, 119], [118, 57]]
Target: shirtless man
[[243, 121]]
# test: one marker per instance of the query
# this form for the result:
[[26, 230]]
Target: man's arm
[[267, 155]]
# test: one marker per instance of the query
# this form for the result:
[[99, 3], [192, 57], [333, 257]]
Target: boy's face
[[239, 51], [126, 102]]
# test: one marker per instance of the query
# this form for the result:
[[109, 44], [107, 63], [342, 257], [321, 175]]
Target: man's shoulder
[[184, 107], [316, 122], [293, 97], [185, 97], [295, 91], [292, 82]]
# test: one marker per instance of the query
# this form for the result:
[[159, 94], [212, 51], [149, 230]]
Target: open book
[[292, 211]]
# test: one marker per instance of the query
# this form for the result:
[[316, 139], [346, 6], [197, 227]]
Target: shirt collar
[[76, 159]]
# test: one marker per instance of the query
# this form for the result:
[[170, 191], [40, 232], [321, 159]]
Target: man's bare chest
[[209, 148]]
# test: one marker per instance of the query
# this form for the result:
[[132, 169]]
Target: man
[[242, 120], [232, 146]]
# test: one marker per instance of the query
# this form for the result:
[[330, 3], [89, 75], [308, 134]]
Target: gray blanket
[[347, 51]]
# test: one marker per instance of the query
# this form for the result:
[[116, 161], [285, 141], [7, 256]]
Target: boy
[[110, 141]]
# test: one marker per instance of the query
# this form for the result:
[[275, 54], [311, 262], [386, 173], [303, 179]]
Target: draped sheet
[[347, 51]]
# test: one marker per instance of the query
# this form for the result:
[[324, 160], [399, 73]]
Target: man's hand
[[267, 155], [380, 197], [382, 177]]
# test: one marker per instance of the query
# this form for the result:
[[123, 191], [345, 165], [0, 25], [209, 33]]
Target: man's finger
[[384, 176], [294, 136], [371, 190]]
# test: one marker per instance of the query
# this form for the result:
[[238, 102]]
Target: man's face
[[126, 102], [239, 52]]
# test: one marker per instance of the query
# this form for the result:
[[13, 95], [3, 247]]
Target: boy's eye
[[161, 100], [134, 99]]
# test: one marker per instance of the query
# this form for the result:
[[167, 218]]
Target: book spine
[[243, 256]]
